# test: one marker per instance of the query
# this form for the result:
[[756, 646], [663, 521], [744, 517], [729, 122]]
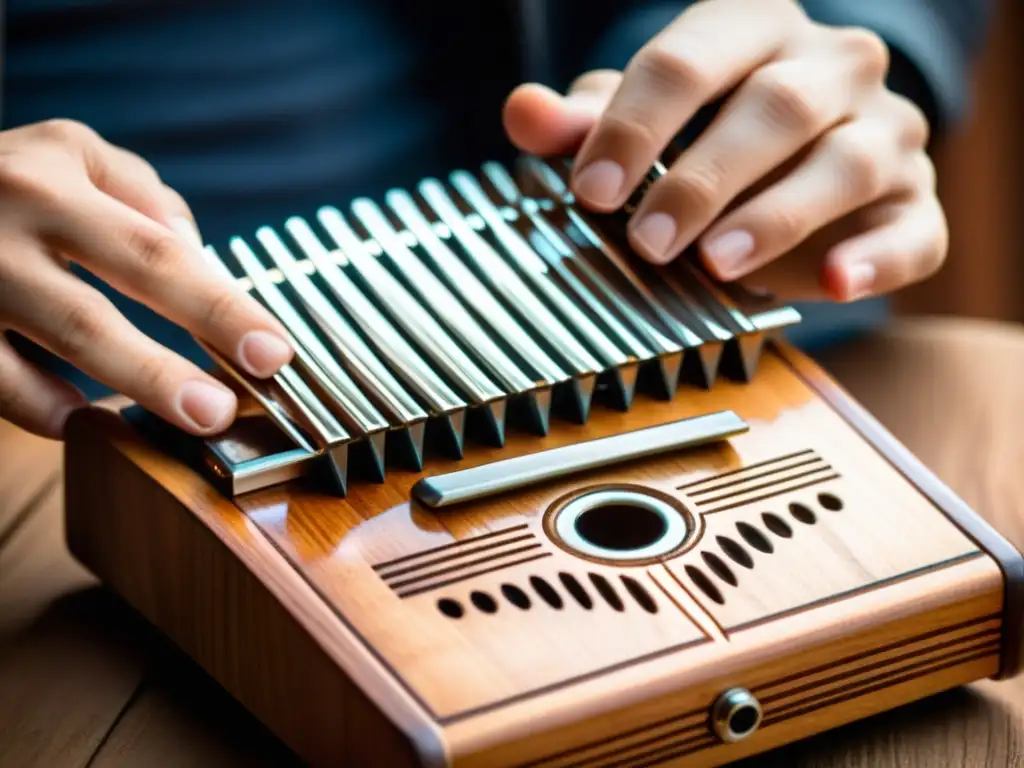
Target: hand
[[811, 182], [67, 195]]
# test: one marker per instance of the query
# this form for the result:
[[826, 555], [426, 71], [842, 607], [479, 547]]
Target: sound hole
[[574, 588], [735, 551], [719, 568], [777, 525], [830, 502], [643, 598], [754, 538], [516, 596], [450, 608], [607, 591], [743, 720], [802, 513], [484, 602], [704, 584], [620, 526], [547, 592]]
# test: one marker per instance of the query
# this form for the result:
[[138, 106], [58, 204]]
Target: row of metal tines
[[457, 309]]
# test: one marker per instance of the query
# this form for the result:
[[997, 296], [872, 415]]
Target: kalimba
[[523, 499]]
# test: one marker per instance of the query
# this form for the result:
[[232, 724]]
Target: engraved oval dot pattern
[[704, 584], [735, 551], [574, 588], [546, 592], [777, 525], [754, 538], [830, 502], [802, 513], [450, 608], [484, 602], [516, 596], [638, 593], [719, 568], [607, 591]]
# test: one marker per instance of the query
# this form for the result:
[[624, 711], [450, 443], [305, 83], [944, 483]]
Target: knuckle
[[694, 189], [671, 72], [82, 327], [24, 176], [633, 132], [157, 253], [858, 161], [868, 49], [787, 227], [67, 131], [786, 100], [224, 306], [152, 375]]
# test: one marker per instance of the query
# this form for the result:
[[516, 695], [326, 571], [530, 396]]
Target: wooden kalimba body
[[521, 499]]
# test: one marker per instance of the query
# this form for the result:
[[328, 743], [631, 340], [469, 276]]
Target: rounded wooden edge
[[979, 530]]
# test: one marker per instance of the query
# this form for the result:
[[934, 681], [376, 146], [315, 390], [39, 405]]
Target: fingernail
[[656, 233], [861, 279], [600, 182], [729, 250], [205, 405], [263, 353], [187, 230]]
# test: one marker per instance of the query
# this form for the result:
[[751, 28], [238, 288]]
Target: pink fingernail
[[861, 279], [729, 250], [600, 182], [656, 233], [206, 405], [262, 353]]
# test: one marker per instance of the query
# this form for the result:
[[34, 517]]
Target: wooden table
[[84, 682]]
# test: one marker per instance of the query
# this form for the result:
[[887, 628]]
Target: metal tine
[[746, 348], [582, 281], [535, 397], [549, 277], [417, 322], [321, 370], [504, 279], [404, 414], [292, 405], [446, 406], [580, 222]]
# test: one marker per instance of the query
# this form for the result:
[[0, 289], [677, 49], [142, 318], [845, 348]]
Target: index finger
[[704, 53], [167, 272]]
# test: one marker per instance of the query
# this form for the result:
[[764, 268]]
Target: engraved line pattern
[[683, 738], [787, 473], [454, 545], [471, 575]]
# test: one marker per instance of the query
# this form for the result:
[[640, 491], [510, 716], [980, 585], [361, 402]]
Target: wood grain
[[967, 369], [849, 588]]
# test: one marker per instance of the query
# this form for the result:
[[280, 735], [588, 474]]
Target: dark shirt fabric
[[256, 110]]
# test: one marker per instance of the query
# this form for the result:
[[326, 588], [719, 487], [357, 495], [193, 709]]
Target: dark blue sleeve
[[933, 43]]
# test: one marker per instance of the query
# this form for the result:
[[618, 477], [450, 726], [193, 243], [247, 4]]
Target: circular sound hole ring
[[620, 510]]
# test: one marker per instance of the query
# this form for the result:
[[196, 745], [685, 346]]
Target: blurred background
[[981, 183]]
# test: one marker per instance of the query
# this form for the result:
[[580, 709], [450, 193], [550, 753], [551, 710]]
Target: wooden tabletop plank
[[65, 681], [35, 567], [28, 466]]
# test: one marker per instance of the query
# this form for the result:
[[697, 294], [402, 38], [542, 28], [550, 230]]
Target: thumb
[[540, 121]]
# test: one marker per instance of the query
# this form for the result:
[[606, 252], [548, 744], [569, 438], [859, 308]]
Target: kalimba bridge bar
[[455, 312]]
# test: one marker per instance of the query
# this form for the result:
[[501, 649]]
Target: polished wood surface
[[159, 710], [876, 599]]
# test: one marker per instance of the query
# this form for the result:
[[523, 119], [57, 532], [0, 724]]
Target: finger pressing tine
[[33, 399], [78, 324], [698, 57], [166, 271]]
